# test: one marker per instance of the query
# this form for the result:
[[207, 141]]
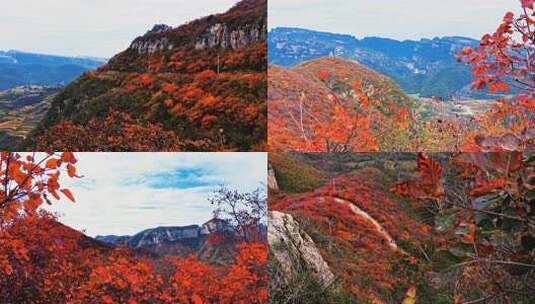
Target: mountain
[[427, 67], [203, 84], [178, 241], [301, 96], [21, 68]]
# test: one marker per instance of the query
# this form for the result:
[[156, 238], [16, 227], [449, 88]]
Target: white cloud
[[400, 19], [106, 204]]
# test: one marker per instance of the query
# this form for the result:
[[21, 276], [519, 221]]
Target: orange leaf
[[68, 157], [68, 194], [52, 163], [489, 186], [71, 170]]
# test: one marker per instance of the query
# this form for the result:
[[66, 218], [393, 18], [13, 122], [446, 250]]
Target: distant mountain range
[[191, 236], [180, 241], [21, 68], [427, 67]]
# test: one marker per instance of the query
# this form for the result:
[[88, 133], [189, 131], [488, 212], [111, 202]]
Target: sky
[[98, 28], [397, 19], [125, 193]]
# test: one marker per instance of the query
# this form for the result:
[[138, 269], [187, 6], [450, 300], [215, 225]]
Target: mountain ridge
[[427, 66], [18, 68]]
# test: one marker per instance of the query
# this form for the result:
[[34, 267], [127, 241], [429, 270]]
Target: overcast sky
[[98, 28], [398, 19], [125, 193]]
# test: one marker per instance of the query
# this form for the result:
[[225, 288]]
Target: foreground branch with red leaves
[[504, 62], [486, 220]]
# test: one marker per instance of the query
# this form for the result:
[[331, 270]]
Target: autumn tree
[[27, 182], [504, 63], [484, 219], [246, 211]]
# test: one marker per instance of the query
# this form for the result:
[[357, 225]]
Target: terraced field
[[21, 109]]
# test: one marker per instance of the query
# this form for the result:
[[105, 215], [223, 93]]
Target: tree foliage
[[43, 261]]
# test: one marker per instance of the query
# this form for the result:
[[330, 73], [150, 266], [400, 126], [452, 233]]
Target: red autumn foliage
[[43, 261], [347, 234], [504, 61], [430, 183], [117, 132]]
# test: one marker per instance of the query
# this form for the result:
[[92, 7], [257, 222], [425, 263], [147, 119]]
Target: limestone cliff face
[[290, 245], [243, 25], [223, 36], [150, 46], [192, 236]]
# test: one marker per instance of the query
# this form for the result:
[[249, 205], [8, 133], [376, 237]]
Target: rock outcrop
[[287, 242], [191, 237], [221, 35], [241, 26]]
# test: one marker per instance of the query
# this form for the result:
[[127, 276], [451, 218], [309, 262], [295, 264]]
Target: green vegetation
[[294, 176]]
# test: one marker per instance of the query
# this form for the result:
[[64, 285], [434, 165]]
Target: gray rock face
[[191, 236], [221, 35], [151, 46], [159, 28], [287, 241], [159, 235]]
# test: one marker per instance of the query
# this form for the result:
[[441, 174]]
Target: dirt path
[[378, 227]]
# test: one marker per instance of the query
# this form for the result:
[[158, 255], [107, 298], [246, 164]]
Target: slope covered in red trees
[[437, 228], [373, 255], [332, 104], [202, 84]]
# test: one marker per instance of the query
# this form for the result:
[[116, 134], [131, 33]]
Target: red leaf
[[68, 194]]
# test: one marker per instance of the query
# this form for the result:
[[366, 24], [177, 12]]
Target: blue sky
[[398, 19], [99, 28], [124, 193]]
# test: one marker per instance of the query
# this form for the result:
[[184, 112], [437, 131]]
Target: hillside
[[331, 93], [201, 85], [22, 69], [371, 234], [43, 261], [367, 239], [427, 67]]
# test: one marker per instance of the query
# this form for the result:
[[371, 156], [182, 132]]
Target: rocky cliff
[[171, 240], [225, 31], [294, 249]]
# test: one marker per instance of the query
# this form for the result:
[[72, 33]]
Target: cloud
[[124, 193]]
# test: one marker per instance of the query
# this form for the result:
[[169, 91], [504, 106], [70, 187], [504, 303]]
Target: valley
[[429, 108], [21, 110]]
